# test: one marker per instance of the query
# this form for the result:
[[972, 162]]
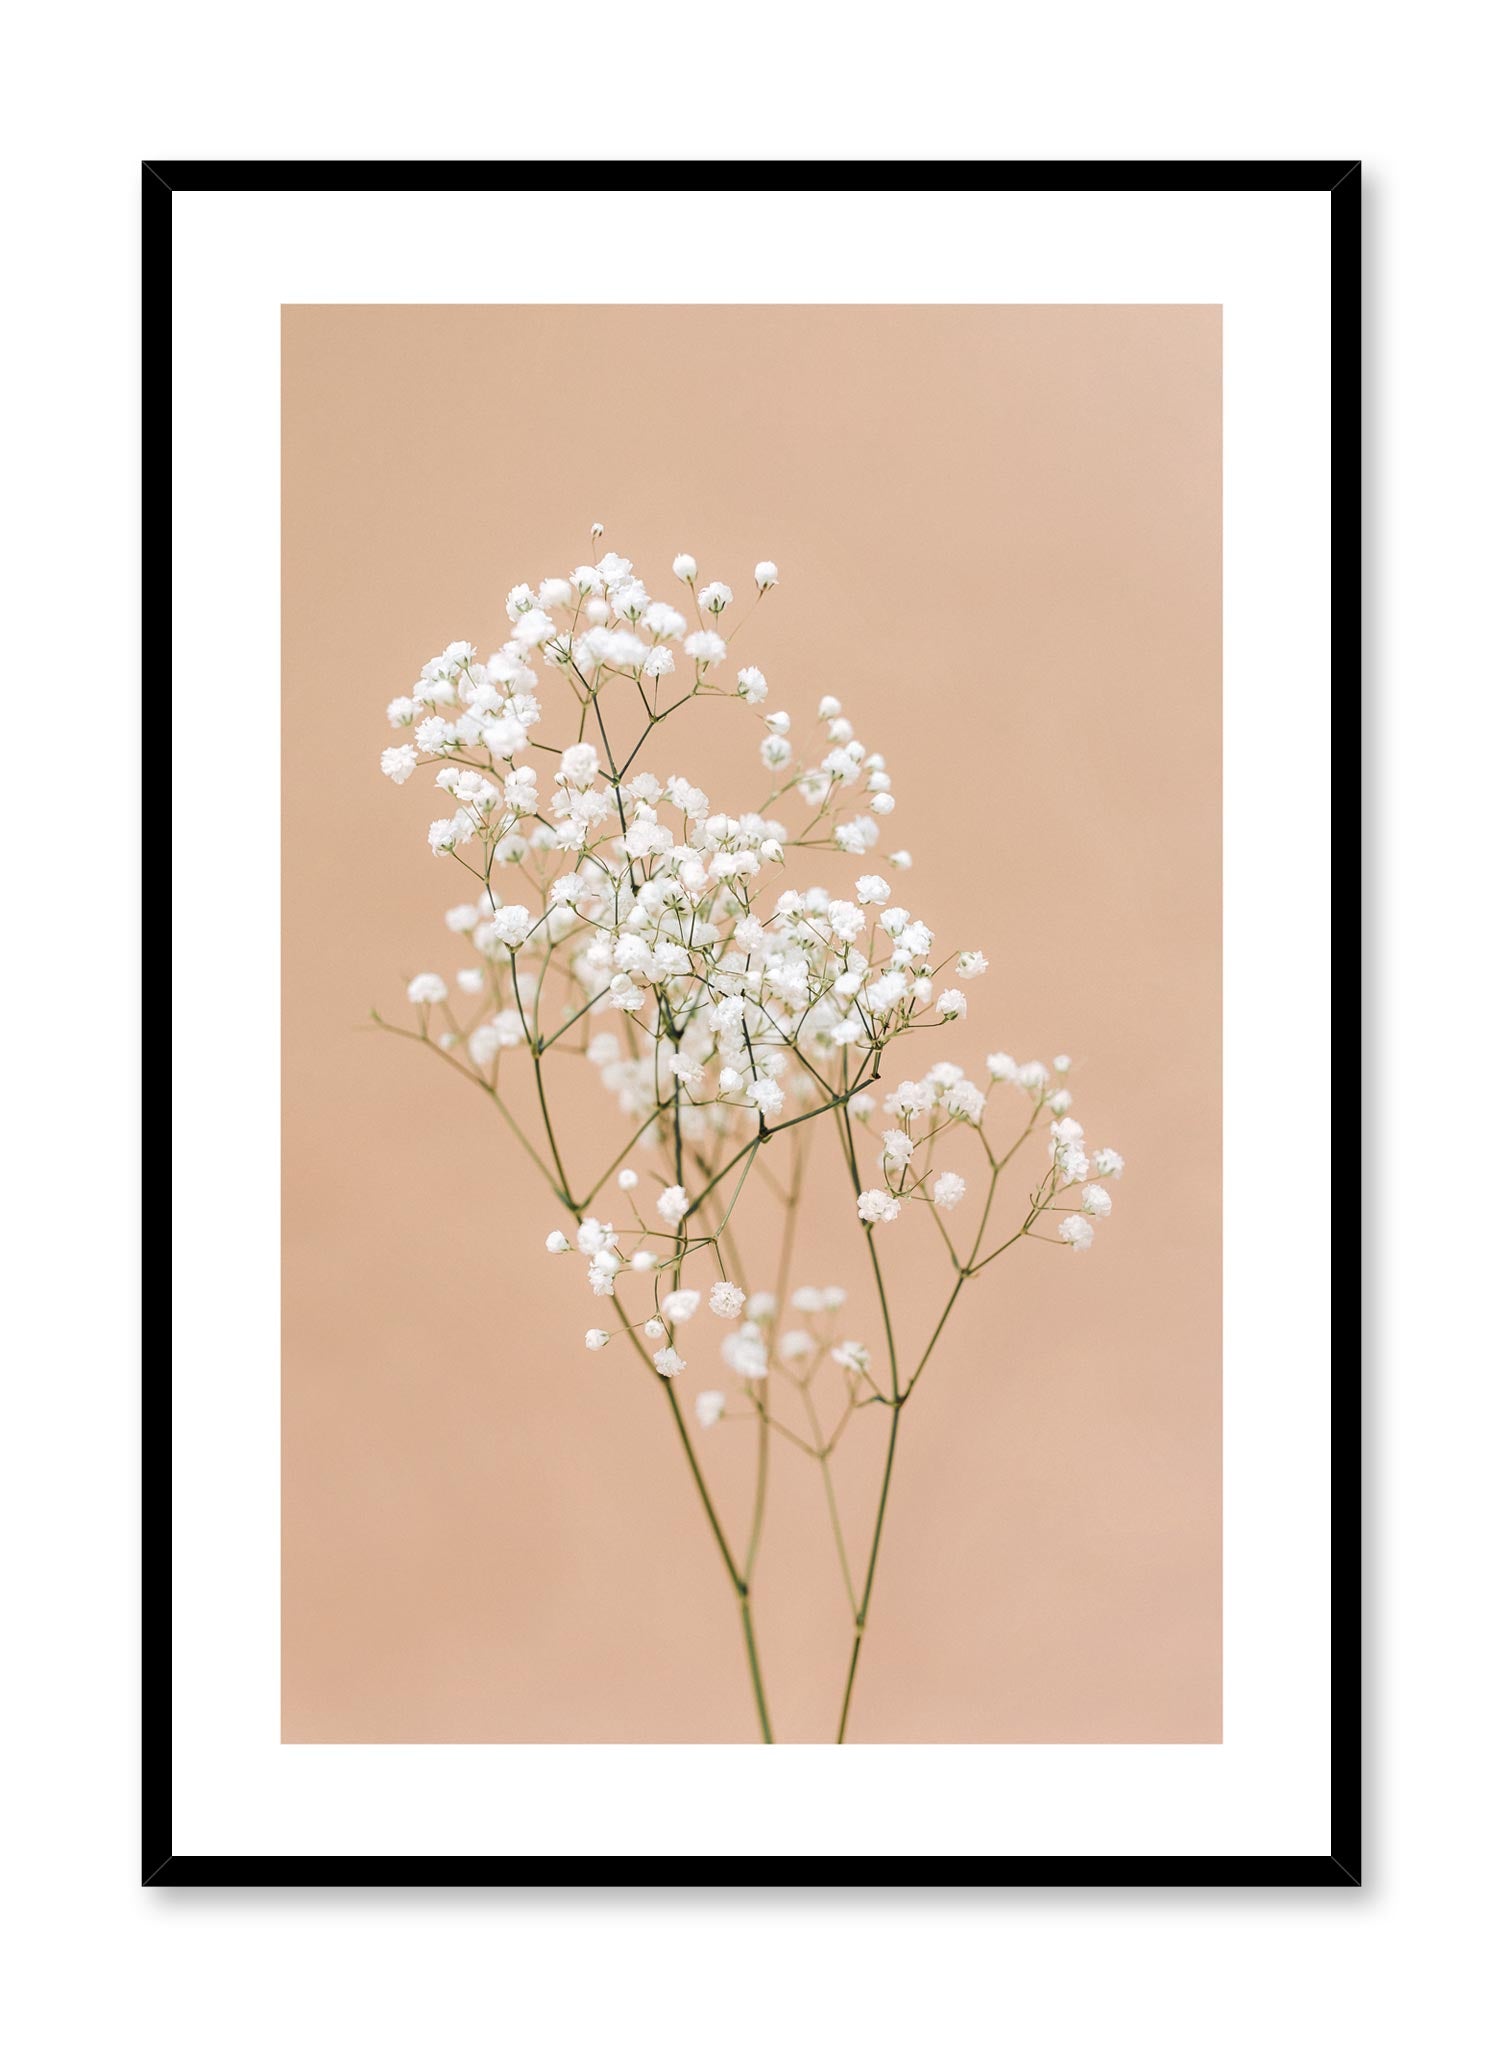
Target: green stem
[[929, 1347], [421, 1038], [737, 1579], [759, 1503], [871, 1572], [830, 1502], [563, 1178], [755, 1668]]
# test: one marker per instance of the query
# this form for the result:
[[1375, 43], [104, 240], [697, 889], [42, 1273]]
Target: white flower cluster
[[734, 977], [618, 910], [945, 1100]]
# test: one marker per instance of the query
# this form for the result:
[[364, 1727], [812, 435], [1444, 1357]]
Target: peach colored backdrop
[[999, 534]]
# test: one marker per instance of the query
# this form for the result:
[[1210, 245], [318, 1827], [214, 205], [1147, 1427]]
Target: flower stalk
[[623, 921]]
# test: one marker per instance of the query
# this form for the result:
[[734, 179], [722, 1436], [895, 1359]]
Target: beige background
[[999, 533]]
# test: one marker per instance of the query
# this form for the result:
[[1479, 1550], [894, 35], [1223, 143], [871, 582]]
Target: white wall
[[94, 1958]]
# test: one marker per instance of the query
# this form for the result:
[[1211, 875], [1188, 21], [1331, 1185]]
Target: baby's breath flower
[[745, 1352], [705, 649], [963, 1099], [909, 1098], [579, 765], [741, 1007], [511, 924]]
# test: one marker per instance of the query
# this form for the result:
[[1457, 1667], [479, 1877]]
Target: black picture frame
[[160, 1866]]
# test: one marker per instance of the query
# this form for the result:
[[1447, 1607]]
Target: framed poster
[[674, 648]]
